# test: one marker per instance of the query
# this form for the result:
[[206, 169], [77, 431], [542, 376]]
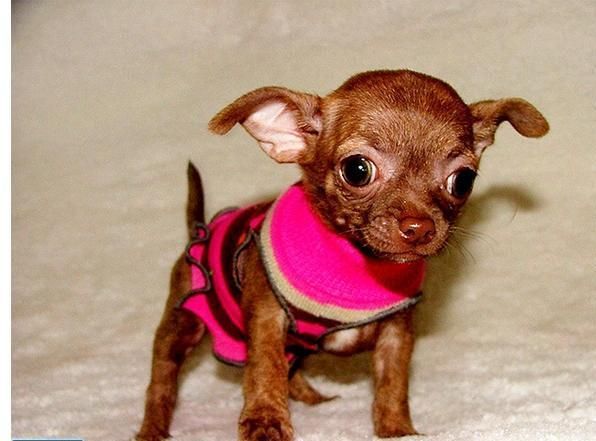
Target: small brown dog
[[388, 161]]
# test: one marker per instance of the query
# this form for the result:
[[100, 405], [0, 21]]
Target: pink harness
[[323, 281]]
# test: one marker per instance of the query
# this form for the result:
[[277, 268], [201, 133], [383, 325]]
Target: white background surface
[[111, 98]]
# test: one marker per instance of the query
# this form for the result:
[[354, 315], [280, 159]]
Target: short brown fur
[[419, 134]]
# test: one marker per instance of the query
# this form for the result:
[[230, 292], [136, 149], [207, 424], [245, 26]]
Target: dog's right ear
[[522, 115], [285, 123]]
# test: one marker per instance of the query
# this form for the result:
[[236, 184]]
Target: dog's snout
[[417, 231]]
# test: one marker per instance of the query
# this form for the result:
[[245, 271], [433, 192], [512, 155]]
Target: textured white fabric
[[110, 99]]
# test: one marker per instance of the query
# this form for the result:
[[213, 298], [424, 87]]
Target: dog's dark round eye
[[357, 171], [460, 183]]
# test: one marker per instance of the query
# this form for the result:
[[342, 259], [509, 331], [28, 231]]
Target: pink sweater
[[323, 282]]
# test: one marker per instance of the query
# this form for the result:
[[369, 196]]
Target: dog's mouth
[[378, 245], [394, 256], [406, 257]]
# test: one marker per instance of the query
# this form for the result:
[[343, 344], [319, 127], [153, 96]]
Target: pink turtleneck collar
[[318, 271]]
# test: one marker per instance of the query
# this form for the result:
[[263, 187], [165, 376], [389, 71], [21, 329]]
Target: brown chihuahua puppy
[[388, 160]]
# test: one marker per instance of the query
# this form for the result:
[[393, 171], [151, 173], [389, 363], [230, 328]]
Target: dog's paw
[[150, 436], [392, 420], [394, 429], [265, 425]]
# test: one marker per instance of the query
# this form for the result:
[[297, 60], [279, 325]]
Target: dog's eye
[[357, 171], [460, 183]]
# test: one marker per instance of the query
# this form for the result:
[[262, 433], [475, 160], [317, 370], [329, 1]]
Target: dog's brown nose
[[417, 231]]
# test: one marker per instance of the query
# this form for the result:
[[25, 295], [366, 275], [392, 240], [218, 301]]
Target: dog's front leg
[[391, 360], [265, 415]]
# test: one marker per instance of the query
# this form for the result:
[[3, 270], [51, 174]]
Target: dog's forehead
[[399, 87], [397, 108]]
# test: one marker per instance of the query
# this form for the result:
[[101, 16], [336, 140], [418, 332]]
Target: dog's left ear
[[284, 123], [487, 115]]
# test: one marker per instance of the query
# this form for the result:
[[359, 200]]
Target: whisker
[[468, 252], [447, 248], [453, 243], [466, 233], [358, 229]]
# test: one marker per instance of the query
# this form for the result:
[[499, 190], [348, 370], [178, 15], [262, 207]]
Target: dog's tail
[[195, 206]]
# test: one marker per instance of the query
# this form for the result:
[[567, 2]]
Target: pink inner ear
[[275, 127]]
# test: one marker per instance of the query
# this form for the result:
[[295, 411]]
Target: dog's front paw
[[392, 423], [150, 436], [265, 424], [393, 428], [393, 431]]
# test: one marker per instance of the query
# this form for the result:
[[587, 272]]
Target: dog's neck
[[321, 272]]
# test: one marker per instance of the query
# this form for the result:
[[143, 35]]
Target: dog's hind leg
[[301, 390], [177, 334]]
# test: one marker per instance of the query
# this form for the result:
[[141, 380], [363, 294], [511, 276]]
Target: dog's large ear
[[285, 123], [487, 115]]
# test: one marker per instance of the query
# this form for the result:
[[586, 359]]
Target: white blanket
[[111, 98]]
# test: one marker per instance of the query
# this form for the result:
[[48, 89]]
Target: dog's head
[[388, 159]]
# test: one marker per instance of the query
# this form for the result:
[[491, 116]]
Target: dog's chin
[[400, 257], [393, 256]]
